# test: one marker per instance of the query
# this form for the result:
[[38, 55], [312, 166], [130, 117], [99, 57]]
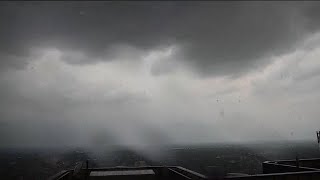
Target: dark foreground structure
[[303, 169]]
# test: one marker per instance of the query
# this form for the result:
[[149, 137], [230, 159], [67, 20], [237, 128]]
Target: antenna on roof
[[318, 137]]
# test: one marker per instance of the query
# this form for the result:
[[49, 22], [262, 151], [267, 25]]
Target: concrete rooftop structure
[[308, 169]]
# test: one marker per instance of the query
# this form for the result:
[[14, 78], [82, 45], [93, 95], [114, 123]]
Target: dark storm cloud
[[221, 38]]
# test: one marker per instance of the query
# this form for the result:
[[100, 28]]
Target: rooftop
[[282, 169]]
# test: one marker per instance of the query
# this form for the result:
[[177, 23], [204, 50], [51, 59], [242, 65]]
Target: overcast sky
[[143, 73]]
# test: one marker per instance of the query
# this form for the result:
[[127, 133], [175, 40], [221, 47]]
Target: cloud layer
[[213, 38]]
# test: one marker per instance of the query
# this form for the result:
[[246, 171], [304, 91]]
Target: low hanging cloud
[[214, 38]]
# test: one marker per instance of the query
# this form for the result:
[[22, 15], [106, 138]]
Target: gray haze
[[140, 74]]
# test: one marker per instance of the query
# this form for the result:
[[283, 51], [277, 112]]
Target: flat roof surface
[[122, 173]]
